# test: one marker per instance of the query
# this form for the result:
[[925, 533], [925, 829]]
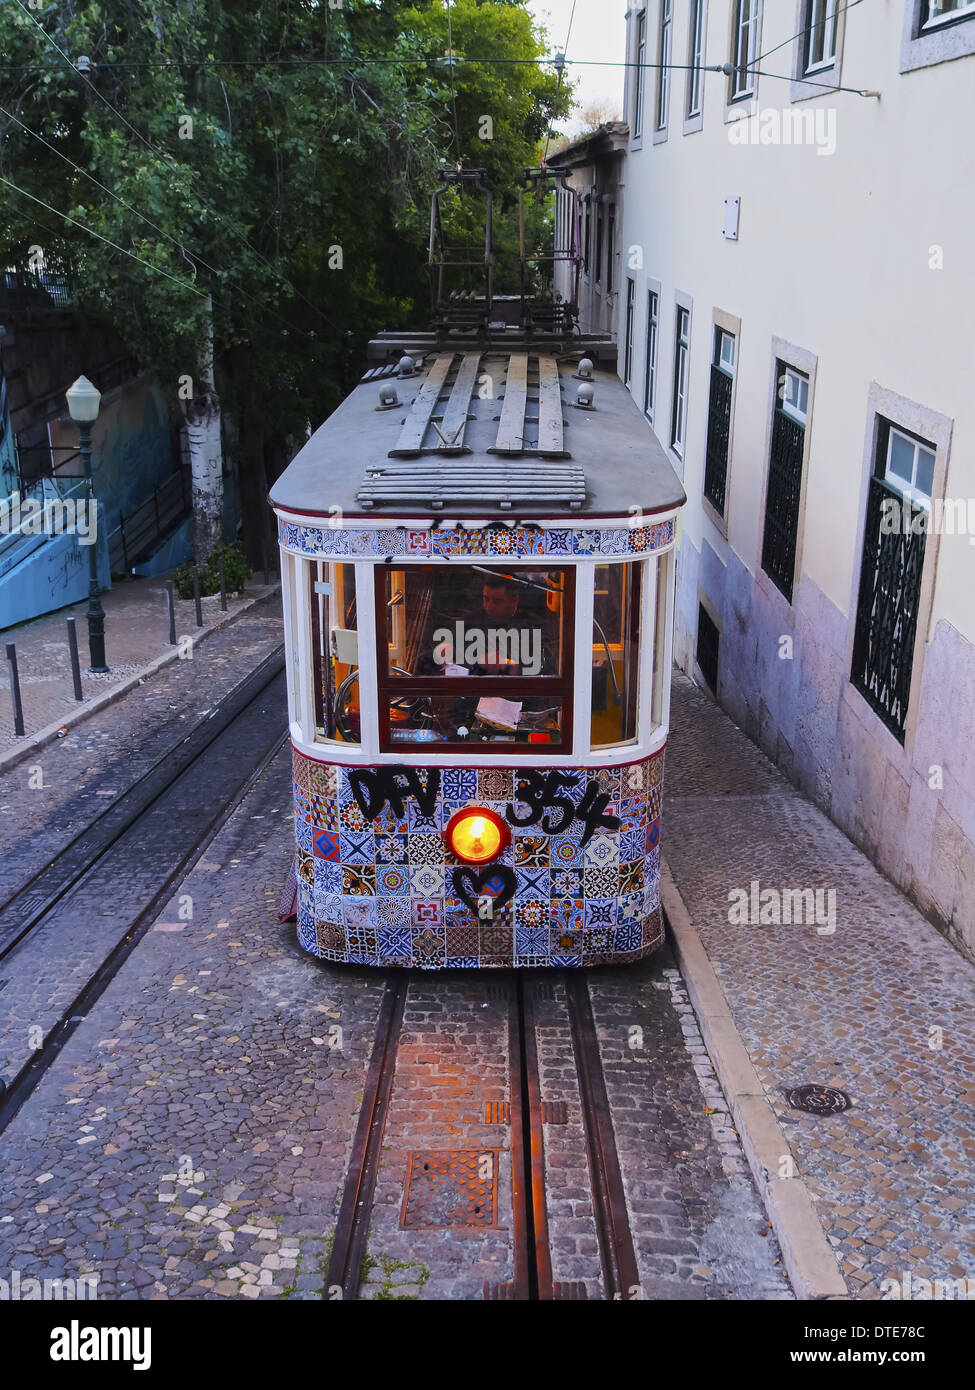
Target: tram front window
[[475, 654]]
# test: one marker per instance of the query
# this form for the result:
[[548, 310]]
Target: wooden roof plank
[[455, 416], [511, 426], [549, 407], [415, 426]]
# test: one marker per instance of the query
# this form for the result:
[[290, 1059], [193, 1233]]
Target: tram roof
[[492, 431]]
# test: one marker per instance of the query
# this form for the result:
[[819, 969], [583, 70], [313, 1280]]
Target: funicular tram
[[477, 561]]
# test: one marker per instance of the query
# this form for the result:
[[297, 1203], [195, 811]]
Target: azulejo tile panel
[[388, 892], [455, 543]]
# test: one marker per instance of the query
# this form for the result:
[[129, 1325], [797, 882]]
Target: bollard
[[196, 596], [75, 663], [15, 689], [171, 601], [223, 588]]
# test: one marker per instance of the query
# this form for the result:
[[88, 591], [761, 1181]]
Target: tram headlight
[[476, 835]]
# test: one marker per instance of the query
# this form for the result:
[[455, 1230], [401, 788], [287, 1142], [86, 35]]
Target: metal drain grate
[[454, 1187], [818, 1100], [555, 1112]]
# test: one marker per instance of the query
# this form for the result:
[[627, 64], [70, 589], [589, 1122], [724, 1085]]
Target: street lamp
[[83, 400]]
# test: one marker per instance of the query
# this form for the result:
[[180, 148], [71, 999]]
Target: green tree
[[268, 170]]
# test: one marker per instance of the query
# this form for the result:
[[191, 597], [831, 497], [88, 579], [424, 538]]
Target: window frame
[[924, 43], [651, 354], [723, 326], [682, 358], [387, 686], [741, 64], [665, 56], [640, 79], [629, 316], [884, 406], [697, 46], [801, 360]]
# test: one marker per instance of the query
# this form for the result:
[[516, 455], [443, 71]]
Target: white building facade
[[796, 300]]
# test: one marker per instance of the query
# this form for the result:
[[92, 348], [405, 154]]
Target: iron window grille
[[695, 58], [719, 420], [708, 639], [889, 595], [785, 478]]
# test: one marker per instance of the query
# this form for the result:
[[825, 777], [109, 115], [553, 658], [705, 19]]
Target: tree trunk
[[206, 457]]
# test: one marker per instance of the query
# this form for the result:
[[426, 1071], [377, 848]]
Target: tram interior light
[[476, 835]]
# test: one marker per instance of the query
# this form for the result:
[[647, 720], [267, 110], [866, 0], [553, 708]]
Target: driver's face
[[499, 601]]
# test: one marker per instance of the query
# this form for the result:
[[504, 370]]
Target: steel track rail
[[352, 1227], [24, 1082], [617, 1255], [81, 853]]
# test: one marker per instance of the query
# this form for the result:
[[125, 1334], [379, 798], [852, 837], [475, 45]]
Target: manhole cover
[[818, 1100], [456, 1187]]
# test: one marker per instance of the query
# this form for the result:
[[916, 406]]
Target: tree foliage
[[269, 155]]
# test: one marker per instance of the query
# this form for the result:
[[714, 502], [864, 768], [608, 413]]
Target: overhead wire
[[163, 154]]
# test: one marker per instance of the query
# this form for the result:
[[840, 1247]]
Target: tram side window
[[472, 653], [616, 653], [335, 652]]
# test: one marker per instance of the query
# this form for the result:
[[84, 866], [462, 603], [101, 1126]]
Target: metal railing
[[136, 534]]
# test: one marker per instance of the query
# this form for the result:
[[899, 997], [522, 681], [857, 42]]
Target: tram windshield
[[475, 653]]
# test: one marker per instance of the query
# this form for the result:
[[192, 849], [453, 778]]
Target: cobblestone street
[[881, 1008], [192, 1138]]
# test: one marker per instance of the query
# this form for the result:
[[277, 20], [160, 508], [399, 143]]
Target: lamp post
[[83, 399]]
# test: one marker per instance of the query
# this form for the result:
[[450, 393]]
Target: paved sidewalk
[[136, 644], [881, 1007]]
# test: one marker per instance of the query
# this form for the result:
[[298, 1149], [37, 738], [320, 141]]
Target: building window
[[628, 333], [719, 419], [745, 48], [785, 478], [610, 244], [695, 58], [588, 234], [708, 638], [935, 13], [598, 262], [663, 71], [682, 342], [898, 509], [653, 305], [819, 36], [641, 58]]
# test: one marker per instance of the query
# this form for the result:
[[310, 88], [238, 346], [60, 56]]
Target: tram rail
[[531, 1258], [33, 906]]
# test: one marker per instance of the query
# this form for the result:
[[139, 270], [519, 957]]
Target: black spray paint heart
[[497, 882]]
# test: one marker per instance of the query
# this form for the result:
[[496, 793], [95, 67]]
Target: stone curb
[[50, 732], [806, 1251]]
